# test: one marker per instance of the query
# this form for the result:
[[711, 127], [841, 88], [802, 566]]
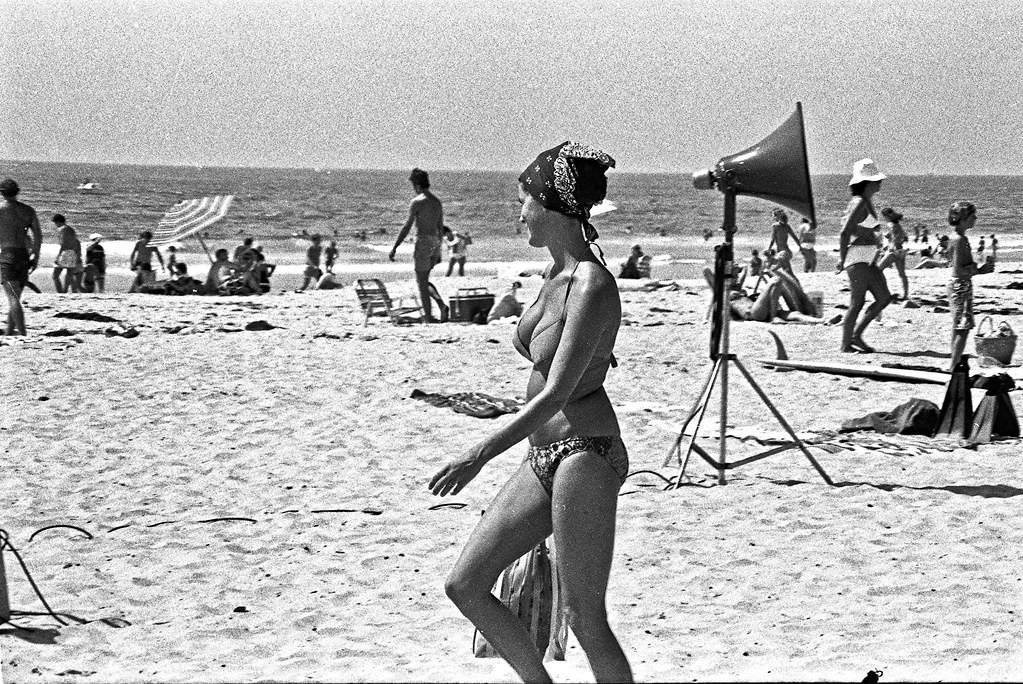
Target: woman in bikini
[[568, 484], [858, 247]]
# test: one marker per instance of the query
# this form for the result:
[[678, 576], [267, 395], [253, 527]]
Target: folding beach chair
[[375, 301]]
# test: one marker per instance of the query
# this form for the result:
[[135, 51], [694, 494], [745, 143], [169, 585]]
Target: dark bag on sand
[[956, 419], [915, 417], [995, 416], [529, 587]]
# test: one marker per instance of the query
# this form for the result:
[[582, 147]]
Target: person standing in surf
[[20, 241], [427, 215], [568, 484], [858, 249]]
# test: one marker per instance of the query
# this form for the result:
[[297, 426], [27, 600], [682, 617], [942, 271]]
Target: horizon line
[[328, 169]]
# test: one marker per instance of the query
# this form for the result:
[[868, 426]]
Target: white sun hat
[[866, 170], [95, 237]]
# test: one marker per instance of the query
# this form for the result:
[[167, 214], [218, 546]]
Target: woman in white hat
[[858, 248]]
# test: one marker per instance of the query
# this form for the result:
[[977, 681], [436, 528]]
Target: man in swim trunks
[[780, 233], [427, 215], [20, 240]]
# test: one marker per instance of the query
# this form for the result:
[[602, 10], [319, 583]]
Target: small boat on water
[[87, 186]]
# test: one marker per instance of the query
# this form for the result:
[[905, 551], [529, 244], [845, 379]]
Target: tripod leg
[[697, 405], [781, 419], [702, 409]]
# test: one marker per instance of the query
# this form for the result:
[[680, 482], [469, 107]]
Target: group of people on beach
[[870, 241], [860, 256], [568, 484], [76, 270]]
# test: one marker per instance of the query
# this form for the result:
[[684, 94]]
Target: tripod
[[719, 350]]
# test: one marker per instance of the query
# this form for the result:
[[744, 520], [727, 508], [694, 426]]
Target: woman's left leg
[[900, 267], [878, 288], [583, 509]]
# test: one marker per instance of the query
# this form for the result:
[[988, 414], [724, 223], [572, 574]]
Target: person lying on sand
[[178, 284], [767, 305]]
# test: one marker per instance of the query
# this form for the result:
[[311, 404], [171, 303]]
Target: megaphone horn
[[775, 169]]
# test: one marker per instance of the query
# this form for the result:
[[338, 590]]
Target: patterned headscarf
[[569, 179], [959, 211]]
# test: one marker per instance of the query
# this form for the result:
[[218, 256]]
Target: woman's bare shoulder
[[595, 280]]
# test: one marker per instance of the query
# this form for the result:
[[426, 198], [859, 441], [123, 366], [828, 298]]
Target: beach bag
[[529, 587], [998, 343], [995, 416], [956, 416]]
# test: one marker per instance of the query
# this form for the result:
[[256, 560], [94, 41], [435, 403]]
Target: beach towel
[[529, 588], [915, 417], [476, 404]]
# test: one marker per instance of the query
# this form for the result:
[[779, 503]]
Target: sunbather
[[765, 307]]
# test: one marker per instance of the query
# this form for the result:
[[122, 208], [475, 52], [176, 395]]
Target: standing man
[[808, 245], [20, 241], [426, 213], [781, 231], [312, 273]]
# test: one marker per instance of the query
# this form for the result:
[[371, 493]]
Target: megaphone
[[775, 169]]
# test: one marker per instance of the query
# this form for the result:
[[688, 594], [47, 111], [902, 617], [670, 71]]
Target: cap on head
[[866, 170]]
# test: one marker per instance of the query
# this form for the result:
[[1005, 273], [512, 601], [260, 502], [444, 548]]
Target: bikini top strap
[[568, 291]]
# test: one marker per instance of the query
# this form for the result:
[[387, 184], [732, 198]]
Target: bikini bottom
[[545, 459]]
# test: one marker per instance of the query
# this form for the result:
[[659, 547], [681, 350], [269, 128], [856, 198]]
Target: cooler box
[[470, 301]]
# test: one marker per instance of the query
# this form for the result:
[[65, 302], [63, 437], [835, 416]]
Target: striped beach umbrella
[[188, 217]]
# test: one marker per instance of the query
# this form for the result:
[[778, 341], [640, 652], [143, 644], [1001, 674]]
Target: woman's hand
[[453, 477]]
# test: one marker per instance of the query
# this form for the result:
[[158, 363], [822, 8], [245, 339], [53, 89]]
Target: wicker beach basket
[[998, 343]]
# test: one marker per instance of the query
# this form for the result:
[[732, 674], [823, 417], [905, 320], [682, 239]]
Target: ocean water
[[661, 211]]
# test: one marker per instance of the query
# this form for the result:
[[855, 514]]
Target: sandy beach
[[252, 503]]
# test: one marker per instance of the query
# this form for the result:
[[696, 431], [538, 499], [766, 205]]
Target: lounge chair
[[375, 301]]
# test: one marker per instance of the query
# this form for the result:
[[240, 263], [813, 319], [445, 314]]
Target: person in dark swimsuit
[[20, 241], [568, 484]]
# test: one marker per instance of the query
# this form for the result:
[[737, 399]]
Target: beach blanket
[[915, 417], [476, 404]]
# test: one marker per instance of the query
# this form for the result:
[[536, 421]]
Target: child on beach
[[895, 247], [577, 461], [95, 276], [329, 256], [69, 257], [458, 250], [962, 216]]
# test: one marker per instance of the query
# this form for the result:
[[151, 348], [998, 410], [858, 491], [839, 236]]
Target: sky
[[919, 86]]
